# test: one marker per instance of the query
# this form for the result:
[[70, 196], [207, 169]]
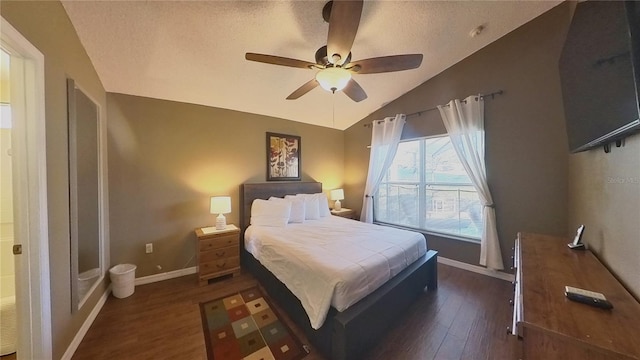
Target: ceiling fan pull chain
[[333, 106]]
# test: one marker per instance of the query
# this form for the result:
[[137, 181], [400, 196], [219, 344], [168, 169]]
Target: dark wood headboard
[[250, 192]]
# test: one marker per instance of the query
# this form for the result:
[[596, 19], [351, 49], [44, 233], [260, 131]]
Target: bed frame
[[353, 332]]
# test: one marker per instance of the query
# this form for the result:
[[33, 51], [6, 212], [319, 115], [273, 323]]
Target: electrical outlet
[[149, 248]]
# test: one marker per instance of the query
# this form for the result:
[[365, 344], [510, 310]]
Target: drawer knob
[[511, 302], [221, 266], [220, 254]]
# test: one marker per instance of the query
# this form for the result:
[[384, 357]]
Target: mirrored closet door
[[85, 195]]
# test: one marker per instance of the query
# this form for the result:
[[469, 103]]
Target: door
[[30, 219]]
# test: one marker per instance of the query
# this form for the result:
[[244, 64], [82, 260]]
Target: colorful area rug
[[245, 326]]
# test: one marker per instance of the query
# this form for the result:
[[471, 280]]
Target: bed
[[351, 333]]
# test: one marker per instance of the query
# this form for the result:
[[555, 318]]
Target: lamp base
[[221, 222], [337, 206]]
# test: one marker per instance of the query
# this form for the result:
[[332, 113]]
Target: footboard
[[351, 333], [357, 329]]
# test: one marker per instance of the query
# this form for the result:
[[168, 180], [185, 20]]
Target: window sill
[[433, 233]]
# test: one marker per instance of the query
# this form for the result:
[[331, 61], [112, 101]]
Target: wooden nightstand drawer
[[218, 253], [221, 253], [221, 265], [219, 242]]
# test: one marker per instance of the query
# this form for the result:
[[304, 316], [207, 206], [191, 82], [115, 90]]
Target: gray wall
[[604, 195], [46, 25], [526, 148], [167, 158]]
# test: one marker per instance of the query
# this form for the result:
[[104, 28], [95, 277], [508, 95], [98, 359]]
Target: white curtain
[[385, 137], [464, 121]]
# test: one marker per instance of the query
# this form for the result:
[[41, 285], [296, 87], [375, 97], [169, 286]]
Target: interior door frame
[[33, 289]]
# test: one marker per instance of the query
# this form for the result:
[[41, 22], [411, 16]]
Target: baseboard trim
[[86, 325], [165, 276], [477, 269]]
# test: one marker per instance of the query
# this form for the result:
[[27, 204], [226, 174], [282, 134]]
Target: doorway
[[8, 331], [29, 218]]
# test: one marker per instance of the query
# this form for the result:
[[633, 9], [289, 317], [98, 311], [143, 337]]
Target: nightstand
[[218, 252], [345, 213]]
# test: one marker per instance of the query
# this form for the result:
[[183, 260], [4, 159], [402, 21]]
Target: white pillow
[[311, 208], [297, 208], [323, 202], [270, 213]]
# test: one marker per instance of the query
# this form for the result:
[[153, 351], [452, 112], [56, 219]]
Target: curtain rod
[[418, 113]]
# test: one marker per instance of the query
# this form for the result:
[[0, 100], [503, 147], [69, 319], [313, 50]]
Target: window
[[427, 188]]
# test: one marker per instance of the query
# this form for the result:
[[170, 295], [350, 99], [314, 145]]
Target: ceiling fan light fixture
[[333, 78]]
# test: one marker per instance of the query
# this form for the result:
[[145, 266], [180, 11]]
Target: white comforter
[[333, 261]]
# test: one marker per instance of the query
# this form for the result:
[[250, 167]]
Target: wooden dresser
[[549, 325], [218, 253]]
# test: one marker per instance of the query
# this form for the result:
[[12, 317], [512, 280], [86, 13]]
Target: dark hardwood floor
[[465, 318]]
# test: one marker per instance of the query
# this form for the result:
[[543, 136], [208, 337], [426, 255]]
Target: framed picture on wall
[[283, 157]]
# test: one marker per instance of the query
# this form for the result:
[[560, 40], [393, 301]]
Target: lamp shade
[[220, 204], [333, 78], [337, 194]]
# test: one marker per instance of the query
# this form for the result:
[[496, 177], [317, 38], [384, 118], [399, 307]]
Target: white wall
[[7, 274], [7, 282], [6, 198]]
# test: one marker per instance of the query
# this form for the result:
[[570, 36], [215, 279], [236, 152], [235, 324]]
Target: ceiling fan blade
[[303, 89], [386, 64], [279, 60], [343, 25], [354, 91]]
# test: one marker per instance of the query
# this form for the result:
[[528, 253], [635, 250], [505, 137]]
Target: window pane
[[398, 204], [453, 209], [426, 187], [405, 166], [442, 164]]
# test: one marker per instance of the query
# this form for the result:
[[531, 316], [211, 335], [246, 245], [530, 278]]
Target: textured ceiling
[[193, 51]]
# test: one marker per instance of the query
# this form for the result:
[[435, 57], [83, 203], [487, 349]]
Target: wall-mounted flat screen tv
[[600, 73]]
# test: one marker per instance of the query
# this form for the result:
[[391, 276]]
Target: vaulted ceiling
[[194, 51]]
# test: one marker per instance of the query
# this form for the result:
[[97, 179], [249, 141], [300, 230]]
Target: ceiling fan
[[335, 70]]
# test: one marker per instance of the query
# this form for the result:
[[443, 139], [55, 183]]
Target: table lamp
[[220, 205], [337, 195]]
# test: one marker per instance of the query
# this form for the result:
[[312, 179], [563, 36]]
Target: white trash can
[[123, 278]]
